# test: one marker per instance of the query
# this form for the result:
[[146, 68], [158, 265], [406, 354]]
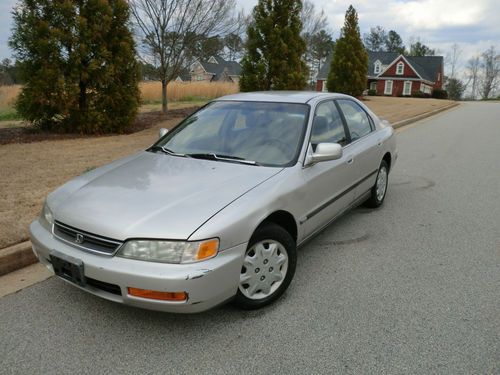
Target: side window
[[357, 120], [327, 125]]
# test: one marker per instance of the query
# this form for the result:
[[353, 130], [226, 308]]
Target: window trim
[[398, 66], [377, 67], [346, 127], [387, 92], [404, 86], [344, 124]]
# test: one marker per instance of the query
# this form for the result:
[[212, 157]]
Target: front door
[[326, 184]]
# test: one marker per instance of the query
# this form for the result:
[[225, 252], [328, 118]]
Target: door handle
[[350, 159]]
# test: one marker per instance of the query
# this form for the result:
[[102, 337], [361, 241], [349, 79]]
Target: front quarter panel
[[236, 223]]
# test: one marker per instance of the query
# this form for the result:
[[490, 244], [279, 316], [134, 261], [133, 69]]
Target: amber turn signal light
[[153, 294], [207, 249]]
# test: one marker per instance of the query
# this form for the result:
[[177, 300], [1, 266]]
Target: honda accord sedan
[[216, 208]]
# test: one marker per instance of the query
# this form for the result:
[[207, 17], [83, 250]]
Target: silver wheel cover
[[264, 269], [381, 186]]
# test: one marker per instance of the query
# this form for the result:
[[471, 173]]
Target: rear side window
[[356, 118], [327, 125]]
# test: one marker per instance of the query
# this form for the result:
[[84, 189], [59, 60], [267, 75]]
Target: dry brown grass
[[8, 95], [28, 172], [185, 91], [397, 109]]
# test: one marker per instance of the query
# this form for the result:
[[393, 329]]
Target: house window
[[388, 88], [400, 68], [373, 86], [323, 87], [407, 88], [378, 67]]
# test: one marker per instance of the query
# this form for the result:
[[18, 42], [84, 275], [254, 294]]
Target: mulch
[[29, 134]]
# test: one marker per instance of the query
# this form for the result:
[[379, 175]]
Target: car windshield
[[258, 133]]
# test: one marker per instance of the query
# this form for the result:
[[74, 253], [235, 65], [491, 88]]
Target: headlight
[[169, 251], [46, 217]]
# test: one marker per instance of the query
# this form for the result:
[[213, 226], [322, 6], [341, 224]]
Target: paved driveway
[[413, 287]]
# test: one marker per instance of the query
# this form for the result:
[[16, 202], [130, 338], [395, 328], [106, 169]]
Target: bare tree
[[472, 69], [491, 71], [167, 27], [314, 22], [453, 58]]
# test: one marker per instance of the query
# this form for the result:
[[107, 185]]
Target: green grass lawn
[[9, 114]]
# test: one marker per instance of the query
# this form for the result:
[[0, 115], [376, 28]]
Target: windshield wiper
[[167, 151], [212, 156]]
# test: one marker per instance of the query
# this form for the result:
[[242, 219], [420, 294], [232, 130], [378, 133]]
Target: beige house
[[216, 69]]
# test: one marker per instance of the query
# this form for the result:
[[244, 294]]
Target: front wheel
[[380, 188], [268, 267]]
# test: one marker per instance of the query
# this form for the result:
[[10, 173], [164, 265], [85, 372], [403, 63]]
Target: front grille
[[85, 240]]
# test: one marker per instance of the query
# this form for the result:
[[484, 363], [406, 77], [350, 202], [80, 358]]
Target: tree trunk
[[164, 105]]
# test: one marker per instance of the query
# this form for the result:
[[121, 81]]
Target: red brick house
[[392, 74]]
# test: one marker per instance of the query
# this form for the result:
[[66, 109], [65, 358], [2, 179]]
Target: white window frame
[[409, 87], [386, 91], [373, 85], [378, 67], [323, 87], [400, 68]]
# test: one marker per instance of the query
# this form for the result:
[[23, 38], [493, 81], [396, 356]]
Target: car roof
[[280, 96]]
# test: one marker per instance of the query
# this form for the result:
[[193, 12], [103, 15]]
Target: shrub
[[372, 92], [420, 94], [439, 94]]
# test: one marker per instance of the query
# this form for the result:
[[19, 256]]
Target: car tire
[[379, 190], [268, 267]]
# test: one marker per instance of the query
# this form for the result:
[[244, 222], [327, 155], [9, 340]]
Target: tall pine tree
[[274, 49], [77, 60], [349, 65]]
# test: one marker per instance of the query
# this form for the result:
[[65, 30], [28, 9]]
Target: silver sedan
[[217, 207]]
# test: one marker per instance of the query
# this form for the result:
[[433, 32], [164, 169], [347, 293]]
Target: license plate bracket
[[68, 268]]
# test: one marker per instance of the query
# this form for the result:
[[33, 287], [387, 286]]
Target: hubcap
[[381, 183], [264, 269]]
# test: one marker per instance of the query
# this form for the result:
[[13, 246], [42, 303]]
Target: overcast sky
[[474, 25]]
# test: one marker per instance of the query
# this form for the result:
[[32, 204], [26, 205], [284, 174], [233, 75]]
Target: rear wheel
[[380, 188], [268, 267]]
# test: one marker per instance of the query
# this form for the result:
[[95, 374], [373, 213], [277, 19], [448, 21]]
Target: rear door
[[364, 146]]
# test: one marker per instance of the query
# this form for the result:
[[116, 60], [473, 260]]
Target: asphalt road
[[413, 287]]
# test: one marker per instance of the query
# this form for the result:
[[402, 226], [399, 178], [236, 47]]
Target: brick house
[[215, 69], [392, 74]]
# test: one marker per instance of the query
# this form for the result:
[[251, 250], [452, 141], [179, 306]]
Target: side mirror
[[163, 131], [326, 151]]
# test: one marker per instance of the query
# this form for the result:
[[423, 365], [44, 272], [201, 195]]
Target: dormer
[[213, 60], [400, 68], [377, 67]]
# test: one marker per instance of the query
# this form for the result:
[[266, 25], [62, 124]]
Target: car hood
[[153, 195]]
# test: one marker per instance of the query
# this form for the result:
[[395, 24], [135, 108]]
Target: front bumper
[[208, 283]]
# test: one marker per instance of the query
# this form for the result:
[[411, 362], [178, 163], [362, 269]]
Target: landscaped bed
[[29, 171]]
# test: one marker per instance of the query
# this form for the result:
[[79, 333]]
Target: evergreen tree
[[394, 43], [77, 59], [419, 49], [376, 40], [349, 65], [274, 49]]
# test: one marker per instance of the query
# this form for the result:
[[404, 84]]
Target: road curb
[[422, 116], [15, 257]]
